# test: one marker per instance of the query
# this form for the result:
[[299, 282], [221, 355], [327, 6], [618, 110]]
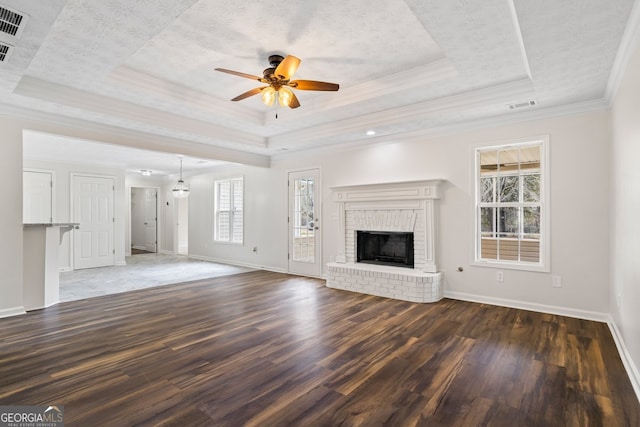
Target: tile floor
[[141, 271]]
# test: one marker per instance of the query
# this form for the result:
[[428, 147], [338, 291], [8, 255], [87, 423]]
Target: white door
[[150, 218], [93, 209], [305, 256], [37, 188]]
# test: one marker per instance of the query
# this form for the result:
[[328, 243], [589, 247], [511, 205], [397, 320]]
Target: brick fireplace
[[388, 208]]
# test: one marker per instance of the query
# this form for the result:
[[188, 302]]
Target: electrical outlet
[[556, 281], [499, 276]]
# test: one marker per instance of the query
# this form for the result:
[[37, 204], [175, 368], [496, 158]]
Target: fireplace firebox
[[385, 248]]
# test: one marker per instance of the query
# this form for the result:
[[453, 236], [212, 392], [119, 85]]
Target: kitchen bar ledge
[[41, 279]]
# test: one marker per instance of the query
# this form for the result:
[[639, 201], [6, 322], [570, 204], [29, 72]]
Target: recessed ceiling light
[[145, 172], [371, 132]]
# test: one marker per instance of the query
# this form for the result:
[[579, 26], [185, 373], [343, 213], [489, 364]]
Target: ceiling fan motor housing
[[269, 73], [275, 60]]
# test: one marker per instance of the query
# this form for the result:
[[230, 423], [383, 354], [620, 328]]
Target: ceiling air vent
[[12, 22], [525, 104], [5, 51]]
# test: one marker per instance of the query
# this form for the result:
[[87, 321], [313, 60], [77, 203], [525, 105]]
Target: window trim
[[216, 203], [545, 206]]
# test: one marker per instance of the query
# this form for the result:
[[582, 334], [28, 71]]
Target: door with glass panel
[[305, 257]]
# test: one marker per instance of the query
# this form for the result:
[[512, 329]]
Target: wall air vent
[[525, 104], [5, 51], [12, 22]]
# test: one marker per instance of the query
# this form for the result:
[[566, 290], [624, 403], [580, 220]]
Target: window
[[511, 208], [229, 210]]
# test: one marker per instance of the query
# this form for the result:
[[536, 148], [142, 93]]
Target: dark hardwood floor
[[268, 349]]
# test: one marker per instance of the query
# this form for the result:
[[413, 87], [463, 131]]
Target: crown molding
[[424, 75], [407, 80], [58, 94], [501, 94], [81, 129], [170, 91], [449, 129], [629, 42]]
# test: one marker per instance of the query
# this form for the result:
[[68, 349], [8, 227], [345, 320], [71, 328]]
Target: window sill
[[505, 265]]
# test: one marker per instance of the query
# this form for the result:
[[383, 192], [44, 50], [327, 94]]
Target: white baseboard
[[140, 248], [13, 311], [238, 264], [542, 308], [627, 361], [165, 252]]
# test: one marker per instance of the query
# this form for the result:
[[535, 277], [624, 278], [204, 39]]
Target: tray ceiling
[[404, 66]]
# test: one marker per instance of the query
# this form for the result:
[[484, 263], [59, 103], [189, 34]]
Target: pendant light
[[181, 190]]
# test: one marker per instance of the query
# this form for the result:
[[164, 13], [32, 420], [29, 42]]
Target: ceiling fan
[[278, 79]]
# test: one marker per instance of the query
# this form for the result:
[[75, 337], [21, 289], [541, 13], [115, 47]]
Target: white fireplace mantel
[[394, 206], [406, 190], [405, 199]]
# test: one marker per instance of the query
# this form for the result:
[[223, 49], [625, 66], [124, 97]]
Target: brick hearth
[[403, 207]]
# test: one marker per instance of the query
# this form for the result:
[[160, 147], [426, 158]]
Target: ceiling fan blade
[[287, 67], [239, 74], [294, 103], [248, 94], [314, 85]]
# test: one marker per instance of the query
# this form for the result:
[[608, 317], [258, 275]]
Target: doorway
[[144, 220], [305, 256]]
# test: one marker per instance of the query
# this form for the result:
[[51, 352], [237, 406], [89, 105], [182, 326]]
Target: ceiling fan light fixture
[[278, 78], [284, 96], [268, 95]]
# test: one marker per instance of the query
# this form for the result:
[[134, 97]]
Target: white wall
[[183, 226], [265, 225], [579, 146], [63, 173], [625, 210], [579, 179], [167, 212], [11, 219]]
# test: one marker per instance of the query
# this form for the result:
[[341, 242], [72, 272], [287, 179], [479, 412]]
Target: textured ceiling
[[403, 66]]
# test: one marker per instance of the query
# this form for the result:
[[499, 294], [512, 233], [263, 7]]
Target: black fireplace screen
[[385, 248]]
